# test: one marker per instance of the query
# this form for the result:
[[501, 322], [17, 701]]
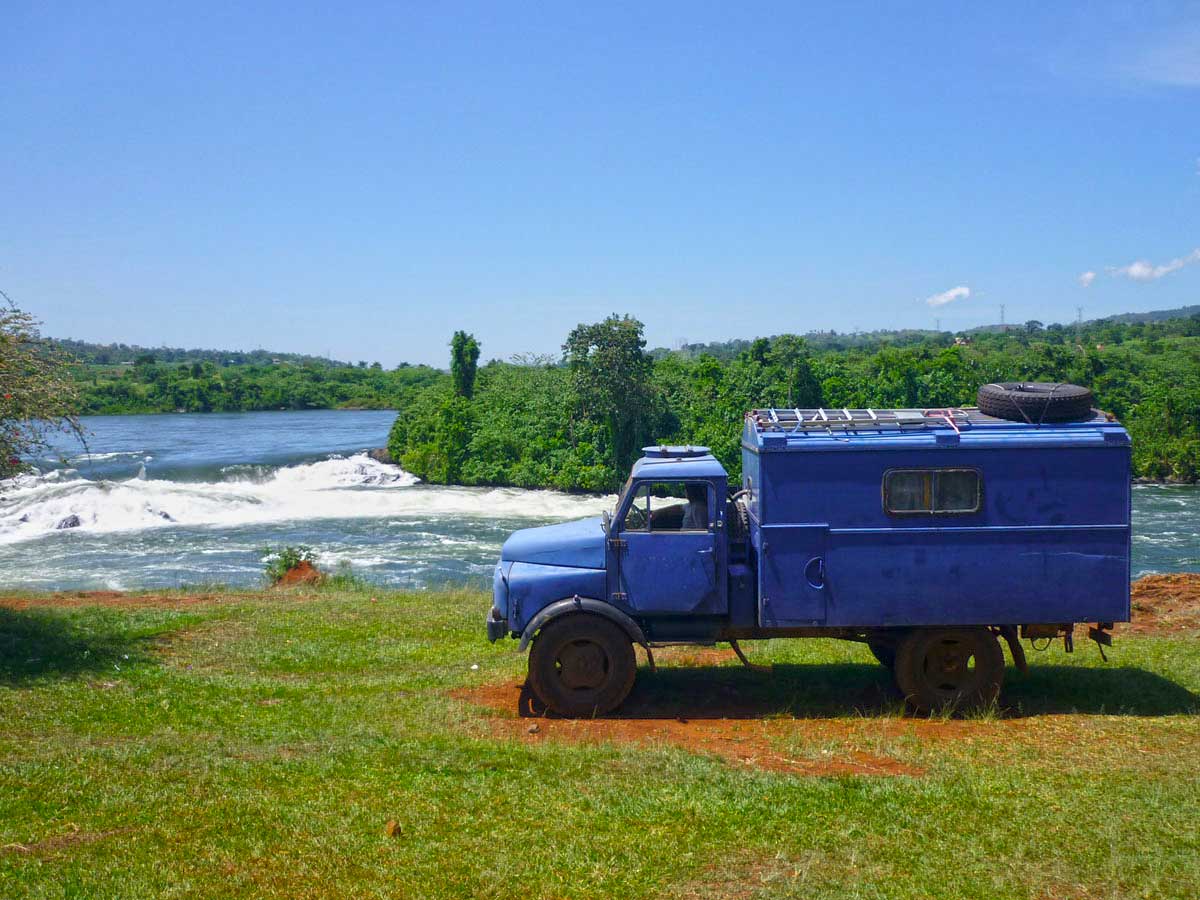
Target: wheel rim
[[950, 667], [582, 665]]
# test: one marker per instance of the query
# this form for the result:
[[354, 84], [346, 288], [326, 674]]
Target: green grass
[[257, 745]]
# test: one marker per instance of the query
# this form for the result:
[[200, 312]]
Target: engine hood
[[579, 544]]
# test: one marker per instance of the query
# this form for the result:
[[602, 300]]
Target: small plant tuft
[[344, 579]]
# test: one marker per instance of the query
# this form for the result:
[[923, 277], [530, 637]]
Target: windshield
[[628, 486]]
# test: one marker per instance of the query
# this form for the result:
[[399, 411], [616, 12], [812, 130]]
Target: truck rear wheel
[[884, 652], [582, 665], [950, 668]]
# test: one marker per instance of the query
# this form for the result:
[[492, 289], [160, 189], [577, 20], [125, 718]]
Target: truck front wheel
[[950, 669], [581, 665]]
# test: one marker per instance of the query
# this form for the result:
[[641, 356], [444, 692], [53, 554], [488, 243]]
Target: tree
[[464, 361], [610, 375], [38, 395], [790, 353]]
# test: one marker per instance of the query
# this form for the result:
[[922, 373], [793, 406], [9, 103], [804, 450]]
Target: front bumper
[[496, 628], [497, 618]]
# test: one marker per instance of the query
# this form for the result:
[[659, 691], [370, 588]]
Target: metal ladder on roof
[[798, 421]]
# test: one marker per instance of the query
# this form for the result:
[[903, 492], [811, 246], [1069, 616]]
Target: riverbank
[[325, 743]]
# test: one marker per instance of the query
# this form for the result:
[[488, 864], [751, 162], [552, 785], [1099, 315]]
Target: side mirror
[[606, 519]]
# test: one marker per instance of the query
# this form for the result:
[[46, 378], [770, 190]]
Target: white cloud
[[1087, 278], [962, 292], [1143, 270], [1171, 57]]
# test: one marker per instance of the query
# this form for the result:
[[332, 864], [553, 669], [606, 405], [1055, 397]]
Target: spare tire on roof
[[1035, 401]]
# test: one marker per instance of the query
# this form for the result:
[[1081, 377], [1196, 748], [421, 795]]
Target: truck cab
[[659, 556], [929, 535]]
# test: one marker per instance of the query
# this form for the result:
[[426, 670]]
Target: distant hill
[[818, 340], [833, 340], [118, 354], [1157, 315]]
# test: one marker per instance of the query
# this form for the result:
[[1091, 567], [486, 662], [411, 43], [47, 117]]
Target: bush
[[37, 392], [280, 561]]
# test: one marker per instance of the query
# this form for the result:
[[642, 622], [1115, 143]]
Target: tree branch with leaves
[[38, 394]]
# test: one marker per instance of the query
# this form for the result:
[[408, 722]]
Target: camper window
[[908, 492]]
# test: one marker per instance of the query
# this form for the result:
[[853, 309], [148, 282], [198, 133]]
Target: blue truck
[[930, 535]]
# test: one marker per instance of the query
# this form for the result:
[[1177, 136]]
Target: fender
[[581, 604]]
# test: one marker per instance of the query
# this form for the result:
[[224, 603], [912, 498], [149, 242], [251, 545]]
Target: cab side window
[[669, 506]]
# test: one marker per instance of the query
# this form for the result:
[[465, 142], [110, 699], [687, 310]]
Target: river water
[[186, 500]]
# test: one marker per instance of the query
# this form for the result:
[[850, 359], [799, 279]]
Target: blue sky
[[362, 181]]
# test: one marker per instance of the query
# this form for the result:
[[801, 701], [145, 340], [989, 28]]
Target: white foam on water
[[117, 454], [353, 487]]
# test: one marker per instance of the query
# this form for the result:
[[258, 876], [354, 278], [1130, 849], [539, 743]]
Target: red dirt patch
[[1166, 604], [745, 742], [115, 599], [67, 599], [59, 842], [693, 656], [303, 572]]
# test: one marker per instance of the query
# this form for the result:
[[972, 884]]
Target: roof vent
[[674, 452]]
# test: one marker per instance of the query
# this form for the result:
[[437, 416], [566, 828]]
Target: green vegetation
[[281, 560], [107, 355], [610, 384], [576, 425], [575, 422], [258, 745], [148, 385], [37, 393], [464, 363]]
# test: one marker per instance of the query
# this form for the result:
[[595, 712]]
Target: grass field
[[260, 745]]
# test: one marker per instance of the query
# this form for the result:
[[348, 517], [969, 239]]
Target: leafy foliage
[[464, 360], [610, 378], [94, 354], [148, 385], [37, 393], [577, 426]]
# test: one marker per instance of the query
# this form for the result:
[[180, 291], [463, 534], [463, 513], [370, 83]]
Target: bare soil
[[60, 842], [744, 735], [303, 572], [1166, 604], [724, 733], [116, 599], [71, 599]]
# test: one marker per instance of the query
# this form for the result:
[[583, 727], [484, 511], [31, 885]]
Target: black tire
[[739, 521], [1035, 401], [955, 669], [581, 665], [884, 652]]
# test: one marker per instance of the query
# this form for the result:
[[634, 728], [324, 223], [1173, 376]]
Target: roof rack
[[799, 421]]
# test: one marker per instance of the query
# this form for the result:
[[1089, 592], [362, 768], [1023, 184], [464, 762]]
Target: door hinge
[[618, 544], [620, 596]]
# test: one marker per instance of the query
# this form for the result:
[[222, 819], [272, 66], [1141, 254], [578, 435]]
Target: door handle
[[814, 572], [705, 552]]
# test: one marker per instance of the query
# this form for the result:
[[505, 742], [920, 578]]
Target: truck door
[[793, 589], [666, 554]]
